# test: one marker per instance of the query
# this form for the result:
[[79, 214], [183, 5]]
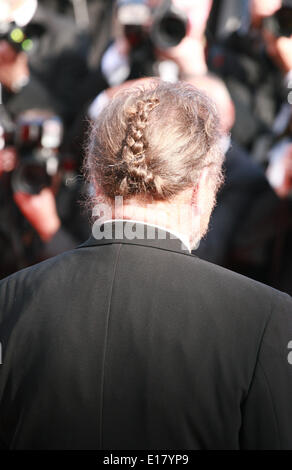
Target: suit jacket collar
[[135, 233]]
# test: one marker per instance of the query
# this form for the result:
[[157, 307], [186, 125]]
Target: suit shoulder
[[50, 275], [230, 283], [42, 274]]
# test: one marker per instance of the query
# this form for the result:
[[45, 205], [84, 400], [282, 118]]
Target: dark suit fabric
[[136, 344]]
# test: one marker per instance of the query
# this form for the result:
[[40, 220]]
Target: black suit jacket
[[135, 344]]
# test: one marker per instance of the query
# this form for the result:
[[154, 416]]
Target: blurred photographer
[[43, 59], [250, 228], [279, 171], [39, 216], [256, 64], [164, 38]]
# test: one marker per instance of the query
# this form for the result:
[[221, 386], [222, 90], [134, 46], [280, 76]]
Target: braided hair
[[151, 142], [139, 176]]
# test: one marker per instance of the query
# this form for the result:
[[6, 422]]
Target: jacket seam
[[258, 363], [259, 351], [192, 255], [105, 346], [272, 402]]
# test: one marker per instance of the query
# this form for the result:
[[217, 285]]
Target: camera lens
[[284, 18], [169, 30], [30, 177]]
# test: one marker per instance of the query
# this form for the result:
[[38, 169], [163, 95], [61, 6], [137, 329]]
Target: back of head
[[152, 141]]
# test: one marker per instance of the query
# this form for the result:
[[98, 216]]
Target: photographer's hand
[[41, 211], [284, 53], [279, 172], [7, 160], [285, 189], [189, 55], [280, 49], [13, 67]]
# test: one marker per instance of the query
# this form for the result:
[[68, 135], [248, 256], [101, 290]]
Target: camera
[[36, 135], [280, 24], [16, 36], [164, 24], [147, 29]]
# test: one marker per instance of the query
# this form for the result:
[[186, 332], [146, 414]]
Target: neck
[[178, 217]]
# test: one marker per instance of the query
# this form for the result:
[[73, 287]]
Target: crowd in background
[[62, 61]]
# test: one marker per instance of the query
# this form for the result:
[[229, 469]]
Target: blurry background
[[61, 61]]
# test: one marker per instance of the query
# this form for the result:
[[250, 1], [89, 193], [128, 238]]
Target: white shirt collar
[[180, 236]]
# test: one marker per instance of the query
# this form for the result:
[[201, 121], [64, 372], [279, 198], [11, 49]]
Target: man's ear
[[97, 190], [199, 191]]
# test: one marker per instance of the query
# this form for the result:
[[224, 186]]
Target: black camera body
[[15, 36], [280, 24], [147, 29], [165, 24], [36, 136]]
